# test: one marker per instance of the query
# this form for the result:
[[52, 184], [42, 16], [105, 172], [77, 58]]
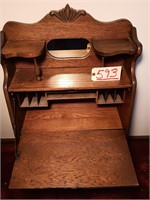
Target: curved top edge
[[121, 20], [71, 23], [69, 14]]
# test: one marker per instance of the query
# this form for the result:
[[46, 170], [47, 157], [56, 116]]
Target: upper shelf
[[111, 47], [33, 48], [25, 49], [61, 80]]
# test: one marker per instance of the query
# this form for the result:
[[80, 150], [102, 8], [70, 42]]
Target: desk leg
[[103, 62], [37, 70], [17, 136]]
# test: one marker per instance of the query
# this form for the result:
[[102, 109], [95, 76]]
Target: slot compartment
[[32, 100], [110, 96]]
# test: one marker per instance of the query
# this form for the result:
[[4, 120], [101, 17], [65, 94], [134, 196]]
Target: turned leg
[[37, 70]]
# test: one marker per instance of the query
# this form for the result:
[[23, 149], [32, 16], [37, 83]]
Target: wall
[[103, 10]]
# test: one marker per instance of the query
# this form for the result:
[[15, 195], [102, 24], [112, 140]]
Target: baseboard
[[139, 137], [7, 140]]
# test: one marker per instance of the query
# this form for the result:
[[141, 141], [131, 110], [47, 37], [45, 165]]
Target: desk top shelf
[[111, 47], [32, 49], [66, 79], [24, 49]]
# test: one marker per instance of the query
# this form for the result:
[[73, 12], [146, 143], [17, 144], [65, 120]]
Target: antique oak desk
[[70, 130]]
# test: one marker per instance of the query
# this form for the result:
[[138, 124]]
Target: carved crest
[[67, 14]]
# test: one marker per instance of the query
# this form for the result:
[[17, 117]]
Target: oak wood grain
[[51, 28], [92, 60], [68, 144], [114, 47], [25, 49], [72, 116], [66, 79], [73, 159]]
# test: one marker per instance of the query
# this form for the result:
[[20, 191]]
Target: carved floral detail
[[67, 14]]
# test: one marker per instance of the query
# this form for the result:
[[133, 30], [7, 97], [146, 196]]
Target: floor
[[140, 154]]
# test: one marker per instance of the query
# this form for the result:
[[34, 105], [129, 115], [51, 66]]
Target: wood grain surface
[[25, 49], [51, 27], [113, 47], [66, 79], [73, 145], [140, 157], [72, 116], [70, 145], [73, 159]]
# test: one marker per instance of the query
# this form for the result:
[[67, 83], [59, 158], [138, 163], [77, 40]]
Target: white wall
[[136, 11]]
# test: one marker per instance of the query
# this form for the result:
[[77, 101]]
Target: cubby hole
[[110, 96], [32, 99], [71, 95]]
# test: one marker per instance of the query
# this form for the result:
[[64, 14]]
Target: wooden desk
[[70, 131]]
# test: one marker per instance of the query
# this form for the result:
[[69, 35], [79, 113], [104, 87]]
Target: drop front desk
[[70, 130]]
